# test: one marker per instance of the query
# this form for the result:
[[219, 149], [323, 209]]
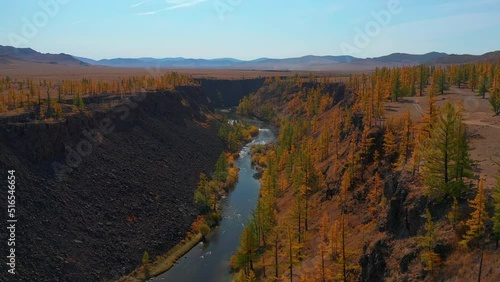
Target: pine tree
[[479, 215]]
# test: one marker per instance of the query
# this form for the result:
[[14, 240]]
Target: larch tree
[[441, 80], [473, 77], [483, 86], [375, 194], [495, 100], [476, 223], [221, 166], [454, 213], [429, 257], [203, 193], [390, 144], [496, 214], [446, 155], [366, 143], [247, 251], [422, 79]]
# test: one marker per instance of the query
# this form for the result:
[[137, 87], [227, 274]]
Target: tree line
[[362, 147], [47, 97]]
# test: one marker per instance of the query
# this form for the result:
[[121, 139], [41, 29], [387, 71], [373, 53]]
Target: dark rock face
[[404, 217], [373, 264], [131, 192], [231, 91]]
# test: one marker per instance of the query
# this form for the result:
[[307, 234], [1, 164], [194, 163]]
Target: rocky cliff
[[96, 190]]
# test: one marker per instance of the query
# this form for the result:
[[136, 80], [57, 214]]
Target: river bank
[[209, 260], [163, 263]]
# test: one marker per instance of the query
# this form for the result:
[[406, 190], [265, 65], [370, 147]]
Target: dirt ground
[[21, 69], [483, 127]]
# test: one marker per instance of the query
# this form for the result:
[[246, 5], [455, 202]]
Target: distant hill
[[313, 63], [163, 63], [301, 63], [305, 63], [30, 55], [409, 58], [491, 57]]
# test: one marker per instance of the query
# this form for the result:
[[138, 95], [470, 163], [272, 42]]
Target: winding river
[[209, 261]]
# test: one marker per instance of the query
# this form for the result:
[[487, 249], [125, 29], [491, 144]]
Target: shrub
[[204, 229]]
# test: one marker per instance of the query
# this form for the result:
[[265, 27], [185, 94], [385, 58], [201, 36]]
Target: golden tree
[[478, 217]]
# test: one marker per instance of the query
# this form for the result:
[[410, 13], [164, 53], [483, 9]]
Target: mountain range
[[9, 55]]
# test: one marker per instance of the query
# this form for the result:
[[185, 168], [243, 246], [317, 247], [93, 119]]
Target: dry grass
[[22, 70], [482, 126], [162, 263]]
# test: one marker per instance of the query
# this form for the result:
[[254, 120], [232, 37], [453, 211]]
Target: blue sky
[[250, 29]]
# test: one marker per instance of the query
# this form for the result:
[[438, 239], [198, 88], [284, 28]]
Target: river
[[209, 261]]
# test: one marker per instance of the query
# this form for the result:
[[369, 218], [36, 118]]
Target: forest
[[355, 192], [51, 100]]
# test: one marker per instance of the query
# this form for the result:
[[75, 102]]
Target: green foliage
[[429, 258], [50, 110], [145, 258], [236, 133], [78, 102], [221, 167], [447, 159], [203, 194], [495, 101], [496, 210], [454, 214], [204, 229], [247, 251], [395, 84], [440, 80], [245, 106], [483, 87]]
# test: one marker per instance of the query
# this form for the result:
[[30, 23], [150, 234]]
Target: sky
[[250, 29]]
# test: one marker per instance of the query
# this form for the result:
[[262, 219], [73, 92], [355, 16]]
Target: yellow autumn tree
[[477, 218]]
